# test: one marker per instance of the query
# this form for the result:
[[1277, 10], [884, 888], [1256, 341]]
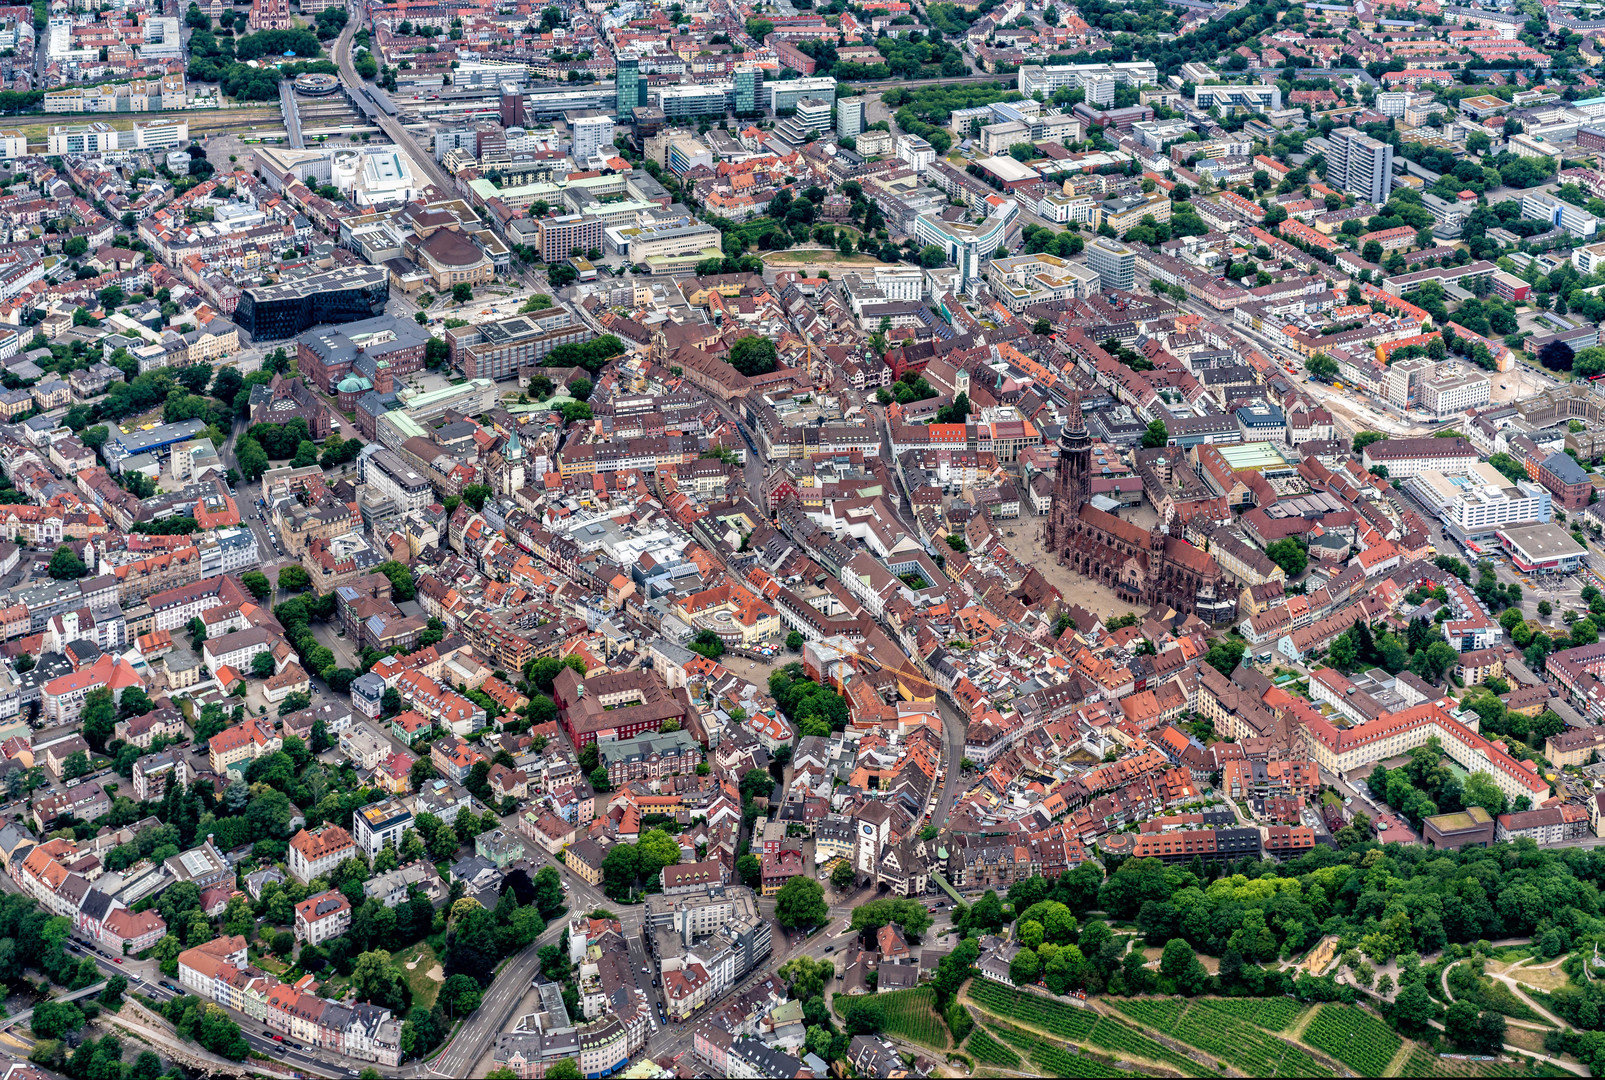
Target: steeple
[[514, 451], [1075, 458], [1076, 423], [1073, 481]]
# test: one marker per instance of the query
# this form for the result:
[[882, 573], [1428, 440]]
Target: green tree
[[1180, 963], [754, 356], [1362, 439], [65, 565], [99, 718], [402, 587], [620, 869], [53, 1019], [1156, 435], [294, 578], [376, 980], [257, 583], [1290, 555], [656, 849], [1480, 790], [801, 903], [842, 875], [1323, 366], [1025, 968], [306, 453], [462, 292]]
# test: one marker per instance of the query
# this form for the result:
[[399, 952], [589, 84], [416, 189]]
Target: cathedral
[[1145, 568]]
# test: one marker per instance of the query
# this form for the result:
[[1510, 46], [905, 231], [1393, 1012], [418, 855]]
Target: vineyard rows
[[988, 1051], [1066, 1021], [1356, 1038], [1220, 1033], [1055, 1060], [911, 1014], [1272, 1014], [1129, 1042]]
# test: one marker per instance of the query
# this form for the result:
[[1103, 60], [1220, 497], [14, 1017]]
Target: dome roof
[[353, 384]]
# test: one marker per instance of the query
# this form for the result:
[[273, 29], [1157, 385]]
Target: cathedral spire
[[1077, 420], [1073, 481]]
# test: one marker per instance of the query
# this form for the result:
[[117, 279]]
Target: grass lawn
[[423, 961], [1547, 979], [819, 257], [1525, 1038], [269, 962]]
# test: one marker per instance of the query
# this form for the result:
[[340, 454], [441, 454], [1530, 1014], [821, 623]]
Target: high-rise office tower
[[1115, 263], [591, 134], [512, 105], [628, 88], [1359, 164], [849, 117], [749, 82]]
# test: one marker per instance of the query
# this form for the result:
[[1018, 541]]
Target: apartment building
[[1359, 164], [317, 854], [321, 917], [380, 825], [245, 741]]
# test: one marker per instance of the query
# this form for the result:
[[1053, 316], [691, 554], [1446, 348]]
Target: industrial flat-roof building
[[125, 445], [1543, 549]]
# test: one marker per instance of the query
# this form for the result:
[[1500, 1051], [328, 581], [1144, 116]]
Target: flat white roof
[[1007, 169]]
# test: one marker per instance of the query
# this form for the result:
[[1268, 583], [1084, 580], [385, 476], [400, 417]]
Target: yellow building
[[214, 342]]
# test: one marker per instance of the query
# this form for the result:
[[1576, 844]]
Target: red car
[[116, 959]]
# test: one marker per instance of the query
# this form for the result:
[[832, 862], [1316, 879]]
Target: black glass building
[[273, 312]]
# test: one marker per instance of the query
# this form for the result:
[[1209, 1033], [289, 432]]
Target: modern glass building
[[783, 96], [749, 81], [629, 88], [279, 311], [963, 244], [1115, 263]]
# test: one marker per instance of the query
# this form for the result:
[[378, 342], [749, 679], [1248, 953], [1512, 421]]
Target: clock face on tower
[[869, 830]]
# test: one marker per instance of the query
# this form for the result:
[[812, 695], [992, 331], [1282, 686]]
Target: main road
[[423, 163], [475, 1038]]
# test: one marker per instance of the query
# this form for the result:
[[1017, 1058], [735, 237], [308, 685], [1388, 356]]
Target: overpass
[[423, 163], [27, 1014], [292, 113]]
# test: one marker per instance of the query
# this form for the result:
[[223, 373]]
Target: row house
[[446, 707], [218, 971]]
